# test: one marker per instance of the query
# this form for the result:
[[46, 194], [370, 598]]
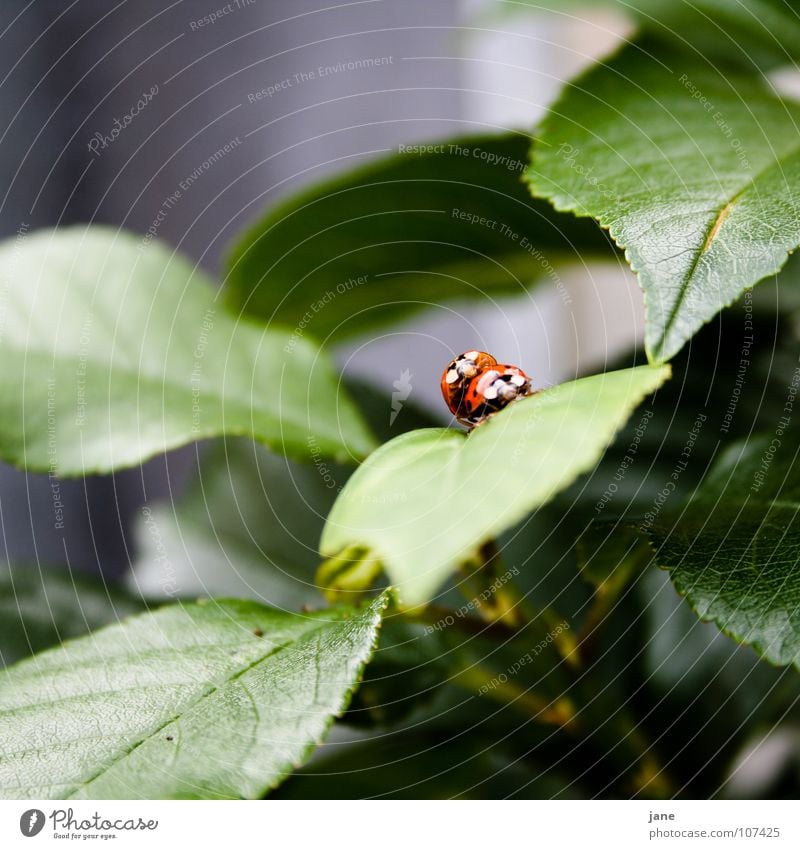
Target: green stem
[[441, 618], [508, 613], [606, 595], [479, 681], [498, 599], [651, 779]]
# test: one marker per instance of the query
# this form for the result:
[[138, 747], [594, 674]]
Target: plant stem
[[651, 779], [507, 613], [441, 618], [560, 712], [498, 599]]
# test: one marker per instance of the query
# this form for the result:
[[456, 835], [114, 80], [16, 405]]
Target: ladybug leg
[[472, 425]]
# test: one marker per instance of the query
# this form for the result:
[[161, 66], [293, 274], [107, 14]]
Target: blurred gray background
[[71, 70]]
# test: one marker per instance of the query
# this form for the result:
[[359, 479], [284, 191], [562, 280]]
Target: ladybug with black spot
[[459, 373], [475, 386]]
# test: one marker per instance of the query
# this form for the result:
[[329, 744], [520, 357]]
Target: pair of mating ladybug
[[475, 385]]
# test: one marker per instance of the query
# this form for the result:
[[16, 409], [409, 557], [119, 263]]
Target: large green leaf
[[248, 523], [694, 171], [749, 33], [217, 699], [114, 349], [407, 232], [41, 607], [427, 501], [734, 549]]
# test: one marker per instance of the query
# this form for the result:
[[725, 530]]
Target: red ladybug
[[459, 373], [475, 385]]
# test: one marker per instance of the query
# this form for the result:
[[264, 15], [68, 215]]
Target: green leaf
[[115, 349], [219, 699], [394, 237], [609, 555], [246, 526], [756, 33], [753, 33], [694, 171], [426, 502], [692, 659], [248, 523], [704, 694], [41, 607], [440, 763], [734, 549]]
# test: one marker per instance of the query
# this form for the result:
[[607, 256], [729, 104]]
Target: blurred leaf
[[692, 169], [247, 526], [733, 550], [249, 522], [41, 607], [457, 493], [412, 230], [115, 350], [609, 555], [752, 34], [218, 699], [426, 765], [708, 694], [404, 674]]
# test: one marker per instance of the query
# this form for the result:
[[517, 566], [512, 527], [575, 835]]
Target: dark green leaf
[[751, 34], [694, 171], [407, 232], [41, 607], [247, 526], [693, 659], [748, 33], [427, 765], [734, 549]]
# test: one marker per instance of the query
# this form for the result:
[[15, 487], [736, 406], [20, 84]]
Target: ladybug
[[475, 385], [459, 373]]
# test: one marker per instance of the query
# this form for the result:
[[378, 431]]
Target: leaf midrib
[[163, 384], [712, 231]]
